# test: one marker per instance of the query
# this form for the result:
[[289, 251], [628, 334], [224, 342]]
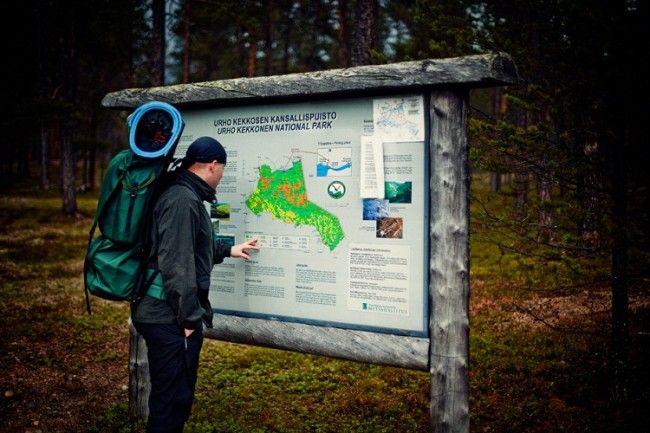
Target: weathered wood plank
[[400, 351], [469, 71], [139, 383], [449, 262]]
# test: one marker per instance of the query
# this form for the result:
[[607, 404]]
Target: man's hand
[[243, 250]]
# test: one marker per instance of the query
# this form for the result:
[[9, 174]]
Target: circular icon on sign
[[336, 189]]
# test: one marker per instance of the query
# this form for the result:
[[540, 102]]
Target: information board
[[336, 193]]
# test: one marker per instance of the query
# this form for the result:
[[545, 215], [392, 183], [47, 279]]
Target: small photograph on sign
[[215, 225], [225, 239], [398, 192], [374, 209], [220, 211], [389, 228]]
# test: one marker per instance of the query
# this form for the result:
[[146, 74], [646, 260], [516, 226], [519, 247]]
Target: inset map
[[334, 161], [399, 119]]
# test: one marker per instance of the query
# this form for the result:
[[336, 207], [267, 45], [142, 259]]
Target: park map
[[282, 194]]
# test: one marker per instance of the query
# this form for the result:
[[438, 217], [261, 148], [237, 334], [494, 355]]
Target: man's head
[[206, 158]]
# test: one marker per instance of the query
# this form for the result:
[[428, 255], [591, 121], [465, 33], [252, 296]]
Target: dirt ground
[[54, 379]]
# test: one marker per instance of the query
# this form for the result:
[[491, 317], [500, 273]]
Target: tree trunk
[[545, 218], [343, 52], [587, 185], [498, 110], [70, 88], [545, 232], [313, 62], [43, 91], [251, 58], [85, 167], [286, 42], [89, 169], [186, 41], [363, 32], [158, 59], [130, 50], [620, 308], [518, 117], [521, 192], [45, 158], [495, 182], [91, 153], [68, 170], [268, 43]]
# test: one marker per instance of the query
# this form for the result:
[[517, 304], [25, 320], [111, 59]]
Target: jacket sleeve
[[220, 252], [177, 223]]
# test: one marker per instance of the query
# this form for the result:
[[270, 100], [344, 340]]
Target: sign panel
[[343, 231]]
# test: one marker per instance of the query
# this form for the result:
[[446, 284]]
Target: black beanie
[[205, 149]]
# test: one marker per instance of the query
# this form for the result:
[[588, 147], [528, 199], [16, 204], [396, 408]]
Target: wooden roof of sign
[[486, 70]]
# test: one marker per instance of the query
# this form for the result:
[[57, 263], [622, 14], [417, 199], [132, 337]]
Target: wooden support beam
[[449, 262], [371, 347]]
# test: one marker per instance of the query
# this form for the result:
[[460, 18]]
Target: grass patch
[[270, 390], [66, 371]]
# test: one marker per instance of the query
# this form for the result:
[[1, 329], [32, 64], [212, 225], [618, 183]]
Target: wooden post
[[449, 262], [139, 384]]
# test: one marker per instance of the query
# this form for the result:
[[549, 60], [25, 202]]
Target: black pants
[[173, 365]]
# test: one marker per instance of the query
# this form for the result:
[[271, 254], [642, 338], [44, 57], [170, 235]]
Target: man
[[184, 250]]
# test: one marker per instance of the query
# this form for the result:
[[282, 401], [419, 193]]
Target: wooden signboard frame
[[445, 354]]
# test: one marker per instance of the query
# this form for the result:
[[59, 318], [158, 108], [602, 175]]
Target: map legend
[[283, 242]]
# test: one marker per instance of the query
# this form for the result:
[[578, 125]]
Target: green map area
[[282, 194]]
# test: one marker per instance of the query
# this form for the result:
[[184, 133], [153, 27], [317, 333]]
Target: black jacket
[[184, 250]]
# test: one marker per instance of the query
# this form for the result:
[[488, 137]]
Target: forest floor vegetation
[[538, 360]]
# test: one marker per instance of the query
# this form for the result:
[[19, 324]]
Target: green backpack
[[115, 265]]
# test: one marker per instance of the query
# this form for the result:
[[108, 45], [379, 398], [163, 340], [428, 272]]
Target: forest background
[[560, 184]]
